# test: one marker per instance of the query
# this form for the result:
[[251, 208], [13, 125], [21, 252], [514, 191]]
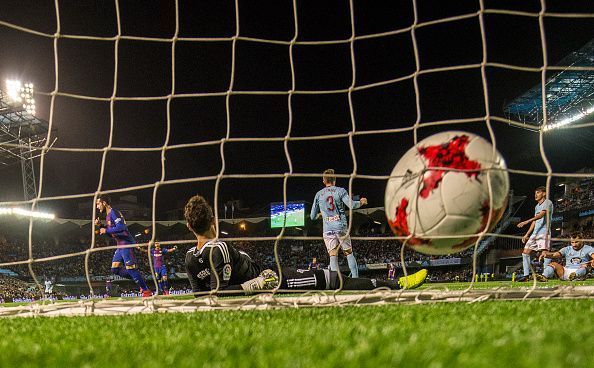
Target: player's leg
[[332, 245], [571, 274], [130, 262], [164, 282], [544, 244], [157, 276], [348, 283], [117, 265], [347, 248], [529, 248], [551, 269]]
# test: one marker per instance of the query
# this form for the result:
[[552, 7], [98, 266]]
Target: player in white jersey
[[49, 287], [579, 257], [330, 203], [538, 236]]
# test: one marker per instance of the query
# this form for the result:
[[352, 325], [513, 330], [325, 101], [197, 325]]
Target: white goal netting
[[234, 98]]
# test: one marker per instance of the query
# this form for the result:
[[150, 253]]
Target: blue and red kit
[[116, 228]]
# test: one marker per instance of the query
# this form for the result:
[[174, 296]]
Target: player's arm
[[119, 224], [536, 217], [315, 208], [221, 269], [346, 199], [195, 283], [547, 254], [527, 235]]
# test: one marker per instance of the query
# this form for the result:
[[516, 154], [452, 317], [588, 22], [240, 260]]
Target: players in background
[[108, 286], [49, 287], [159, 266], [314, 264], [538, 236], [578, 259], [216, 265], [391, 271], [332, 202], [116, 228]]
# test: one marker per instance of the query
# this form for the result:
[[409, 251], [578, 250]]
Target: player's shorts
[[305, 280], [160, 272], [568, 271], [123, 256], [538, 243], [333, 239]]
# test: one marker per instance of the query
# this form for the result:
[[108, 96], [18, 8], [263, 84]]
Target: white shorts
[[567, 272], [538, 243], [333, 239]]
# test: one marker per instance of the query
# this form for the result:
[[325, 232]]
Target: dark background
[[86, 67]]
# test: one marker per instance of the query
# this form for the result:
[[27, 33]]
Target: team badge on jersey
[[227, 272]]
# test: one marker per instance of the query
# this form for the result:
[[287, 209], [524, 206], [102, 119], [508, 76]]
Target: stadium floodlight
[[27, 213], [569, 120], [13, 90], [21, 95]]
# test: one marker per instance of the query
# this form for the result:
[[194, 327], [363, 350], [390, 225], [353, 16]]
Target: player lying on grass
[[578, 259], [216, 265]]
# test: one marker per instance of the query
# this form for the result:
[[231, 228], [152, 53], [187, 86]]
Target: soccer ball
[[445, 190]]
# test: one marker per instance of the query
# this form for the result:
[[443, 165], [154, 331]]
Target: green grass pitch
[[536, 333], [294, 218]]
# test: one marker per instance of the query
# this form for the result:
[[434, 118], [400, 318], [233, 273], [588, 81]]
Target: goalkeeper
[[216, 265]]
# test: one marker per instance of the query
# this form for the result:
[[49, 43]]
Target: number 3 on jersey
[[331, 206]]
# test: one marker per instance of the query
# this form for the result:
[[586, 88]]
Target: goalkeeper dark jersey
[[233, 267]]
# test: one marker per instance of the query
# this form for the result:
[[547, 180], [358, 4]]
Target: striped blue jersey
[[117, 229], [333, 202]]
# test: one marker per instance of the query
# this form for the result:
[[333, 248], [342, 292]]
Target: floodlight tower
[[21, 132]]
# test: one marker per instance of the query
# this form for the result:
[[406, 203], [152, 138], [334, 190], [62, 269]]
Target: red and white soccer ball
[[443, 210]]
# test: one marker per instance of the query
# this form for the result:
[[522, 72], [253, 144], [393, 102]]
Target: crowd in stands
[[12, 288], [577, 196], [292, 253]]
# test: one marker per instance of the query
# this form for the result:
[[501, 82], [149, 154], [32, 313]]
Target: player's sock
[[137, 278], [548, 272], [160, 285], [164, 285], [353, 265], [120, 271], [526, 264], [546, 262], [333, 263]]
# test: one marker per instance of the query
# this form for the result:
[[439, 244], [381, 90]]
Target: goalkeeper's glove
[[267, 280]]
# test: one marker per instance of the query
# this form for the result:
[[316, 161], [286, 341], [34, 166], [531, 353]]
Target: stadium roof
[[570, 94], [20, 133]]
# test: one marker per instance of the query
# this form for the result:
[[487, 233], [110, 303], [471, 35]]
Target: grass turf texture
[[551, 333]]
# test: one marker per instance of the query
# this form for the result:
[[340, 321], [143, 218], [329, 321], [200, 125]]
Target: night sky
[[86, 67]]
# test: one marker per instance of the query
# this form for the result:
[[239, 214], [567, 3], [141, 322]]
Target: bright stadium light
[[13, 90], [27, 213], [570, 119], [21, 95]]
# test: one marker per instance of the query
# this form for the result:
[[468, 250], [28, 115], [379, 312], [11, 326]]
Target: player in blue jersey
[[314, 264], [115, 227], [332, 202], [579, 257], [538, 236], [159, 266]]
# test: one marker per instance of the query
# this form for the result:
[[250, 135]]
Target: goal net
[[247, 103]]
